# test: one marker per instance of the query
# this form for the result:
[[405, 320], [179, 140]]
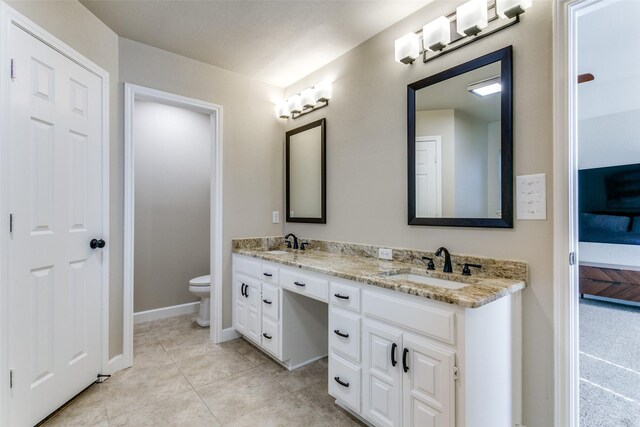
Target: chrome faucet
[[295, 240], [447, 259]]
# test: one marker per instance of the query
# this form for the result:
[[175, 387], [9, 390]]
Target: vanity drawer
[[304, 284], [343, 323], [431, 321], [344, 381], [271, 337], [247, 267], [343, 295], [270, 301], [269, 273]]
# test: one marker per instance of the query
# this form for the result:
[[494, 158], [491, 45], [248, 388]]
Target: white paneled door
[[55, 199]]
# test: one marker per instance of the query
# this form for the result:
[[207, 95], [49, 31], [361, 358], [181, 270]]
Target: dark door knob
[[97, 243]]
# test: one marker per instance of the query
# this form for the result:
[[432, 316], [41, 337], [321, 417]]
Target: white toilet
[[201, 287]]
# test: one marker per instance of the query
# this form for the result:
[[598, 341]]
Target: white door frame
[[9, 17], [565, 217], [438, 140], [134, 92]]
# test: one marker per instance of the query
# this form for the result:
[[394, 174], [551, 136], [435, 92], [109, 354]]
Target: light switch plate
[[531, 196], [385, 254], [276, 217]]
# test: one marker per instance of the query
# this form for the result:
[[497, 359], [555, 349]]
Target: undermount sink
[[277, 252], [427, 280]]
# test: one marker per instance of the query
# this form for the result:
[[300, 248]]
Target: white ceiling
[[278, 42], [453, 94]]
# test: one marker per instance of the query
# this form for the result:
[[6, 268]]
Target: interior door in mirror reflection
[[428, 176], [305, 173], [460, 145]]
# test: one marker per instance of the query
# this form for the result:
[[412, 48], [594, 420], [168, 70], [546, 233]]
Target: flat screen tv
[[609, 204]]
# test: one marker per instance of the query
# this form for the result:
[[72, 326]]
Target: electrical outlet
[[276, 217], [384, 253]]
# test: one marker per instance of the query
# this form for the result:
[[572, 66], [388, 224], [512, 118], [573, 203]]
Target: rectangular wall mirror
[[460, 145], [305, 173]]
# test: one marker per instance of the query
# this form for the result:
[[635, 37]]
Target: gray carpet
[[609, 364]]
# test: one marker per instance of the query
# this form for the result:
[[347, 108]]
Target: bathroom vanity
[[401, 353]]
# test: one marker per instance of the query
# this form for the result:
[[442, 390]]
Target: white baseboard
[[115, 364], [229, 334], [164, 312]]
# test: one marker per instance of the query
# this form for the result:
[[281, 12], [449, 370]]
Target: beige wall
[[172, 149], [367, 161], [76, 26], [252, 139]]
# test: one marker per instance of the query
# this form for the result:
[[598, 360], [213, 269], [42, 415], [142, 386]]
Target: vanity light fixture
[[436, 35], [471, 17], [486, 87], [471, 21], [295, 104], [308, 100], [408, 48], [510, 8]]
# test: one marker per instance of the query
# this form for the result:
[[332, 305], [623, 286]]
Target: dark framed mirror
[[306, 159], [460, 145]]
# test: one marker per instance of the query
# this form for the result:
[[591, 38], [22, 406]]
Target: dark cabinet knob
[[97, 244]]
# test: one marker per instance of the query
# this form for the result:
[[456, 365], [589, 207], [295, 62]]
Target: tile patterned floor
[[180, 378]]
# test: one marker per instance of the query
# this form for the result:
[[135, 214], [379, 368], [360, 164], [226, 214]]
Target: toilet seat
[[200, 281]]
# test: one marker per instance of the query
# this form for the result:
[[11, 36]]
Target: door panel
[[428, 386], [381, 380], [55, 196]]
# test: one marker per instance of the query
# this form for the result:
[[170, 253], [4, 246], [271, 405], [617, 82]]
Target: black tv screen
[[609, 204]]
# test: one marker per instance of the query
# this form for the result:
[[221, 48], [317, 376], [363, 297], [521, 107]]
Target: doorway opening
[[173, 195], [597, 215], [608, 192]]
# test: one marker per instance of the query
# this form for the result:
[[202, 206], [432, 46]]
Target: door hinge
[[455, 373], [10, 223], [13, 70], [572, 258], [10, 378]]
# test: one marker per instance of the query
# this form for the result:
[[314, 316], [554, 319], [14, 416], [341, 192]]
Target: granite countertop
[[376, 272]]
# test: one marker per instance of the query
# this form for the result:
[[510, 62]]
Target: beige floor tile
[[141, 328], [302, 377], [198, 348], [134, 388], [318, 398], [88, 409], [150, 355], [272, 368], [231, 397], [185, 409], [286, 411], [257, 357], [205, 369], [173, 338]]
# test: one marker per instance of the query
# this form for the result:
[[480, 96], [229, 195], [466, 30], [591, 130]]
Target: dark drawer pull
[[299, 284], [266, 301], [267, 336], [337, 332], [268, 274], [341, 296], [343, 384], [405, 367]]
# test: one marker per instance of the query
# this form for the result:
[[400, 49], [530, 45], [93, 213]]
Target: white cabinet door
[[382, 380], [253, 290], [240, 302], [428, 385]]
